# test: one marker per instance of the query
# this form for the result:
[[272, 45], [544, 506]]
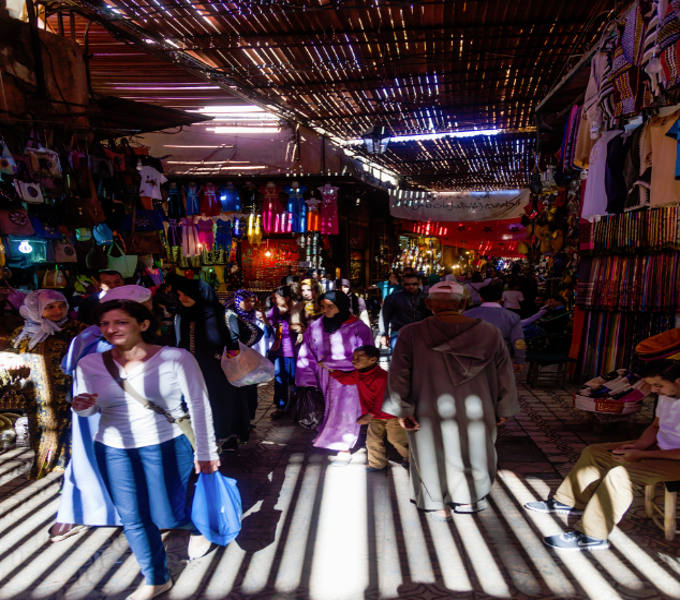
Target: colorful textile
[[329, 209], [206, 237], [193, 204], [210, 205]]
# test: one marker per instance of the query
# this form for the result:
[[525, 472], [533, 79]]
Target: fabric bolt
[[192, 192], [339, 429], [190, 239], [378, 429], [223, 235], [456, 379], [148, 486], [595, 197], [174, 233], [664, 188], [150, 183], [210, 204], [206, 237], [604, 488], [329, 209], [230, 200]]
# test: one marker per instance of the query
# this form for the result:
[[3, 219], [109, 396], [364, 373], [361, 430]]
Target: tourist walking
[[144, 459], [401, 308]]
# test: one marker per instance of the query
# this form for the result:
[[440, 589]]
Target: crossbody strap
[[128, 389]]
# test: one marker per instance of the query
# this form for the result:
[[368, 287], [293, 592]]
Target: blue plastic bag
[[216, 508]]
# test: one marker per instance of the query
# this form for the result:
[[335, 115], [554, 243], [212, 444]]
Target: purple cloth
[[288, 337], [339, 430]]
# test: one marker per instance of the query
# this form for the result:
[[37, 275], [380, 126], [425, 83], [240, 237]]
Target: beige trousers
[[604, 488], [375, 444]]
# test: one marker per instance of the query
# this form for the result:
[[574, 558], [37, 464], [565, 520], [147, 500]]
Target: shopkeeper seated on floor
[[601, 485]]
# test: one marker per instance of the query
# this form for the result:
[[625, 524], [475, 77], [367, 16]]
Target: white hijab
[[36, 327]]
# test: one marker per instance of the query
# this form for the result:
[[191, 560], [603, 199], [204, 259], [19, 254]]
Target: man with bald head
[[451, 383]]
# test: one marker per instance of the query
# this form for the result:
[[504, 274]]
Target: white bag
[[247, 367]]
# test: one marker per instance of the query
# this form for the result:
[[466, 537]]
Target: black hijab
[[342, 302]]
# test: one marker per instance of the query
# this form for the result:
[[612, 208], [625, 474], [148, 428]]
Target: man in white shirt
[[601, 485]]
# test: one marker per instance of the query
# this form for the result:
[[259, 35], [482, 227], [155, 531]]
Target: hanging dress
[[329, 209], [191, 192], [174, 233], [175, 207], [297, 208], [272, 212], [230, 199], [189, 238], [223, 236], [313, 215], [210, 205], [206, 237]]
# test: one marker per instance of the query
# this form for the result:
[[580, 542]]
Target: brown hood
[[469, 346]]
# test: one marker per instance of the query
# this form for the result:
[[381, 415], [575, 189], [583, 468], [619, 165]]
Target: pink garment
[[189, 238], [329, 209], [206, 237], [273, 220], [210, 204]]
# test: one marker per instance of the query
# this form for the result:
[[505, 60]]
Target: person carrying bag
[[144, 457]]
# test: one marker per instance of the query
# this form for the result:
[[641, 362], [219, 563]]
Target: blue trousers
[[284, 381], [134, 478]]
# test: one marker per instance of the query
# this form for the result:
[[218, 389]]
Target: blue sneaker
[[575, 540], [552, 506]]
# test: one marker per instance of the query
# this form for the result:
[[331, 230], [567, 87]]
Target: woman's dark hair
[[284, 291], [666, 369], [137, 311], [370, 351]]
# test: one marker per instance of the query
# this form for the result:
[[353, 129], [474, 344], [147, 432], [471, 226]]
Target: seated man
[[601, 484]]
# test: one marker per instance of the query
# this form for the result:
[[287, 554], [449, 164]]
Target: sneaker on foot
[[552, 506], [147, 592], [61, 531], [575, 540]]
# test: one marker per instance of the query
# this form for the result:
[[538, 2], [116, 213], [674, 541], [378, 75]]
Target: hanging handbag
[[183, 422], [8, 165], [54, 279], [216, 508], [44, 162], [125, 264], [103, 236], [15, 221], [248, 367], [144, 242], [64, 252], [29, 192]]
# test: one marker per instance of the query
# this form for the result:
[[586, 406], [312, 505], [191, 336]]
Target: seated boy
[[371, 382], [601, 485]]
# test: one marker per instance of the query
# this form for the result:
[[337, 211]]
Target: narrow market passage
[[325, 530]]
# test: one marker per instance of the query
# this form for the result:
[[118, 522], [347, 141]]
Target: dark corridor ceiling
[[343, 66]]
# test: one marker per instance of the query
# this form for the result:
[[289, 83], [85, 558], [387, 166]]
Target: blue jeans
[[284, 381], [134, 478]]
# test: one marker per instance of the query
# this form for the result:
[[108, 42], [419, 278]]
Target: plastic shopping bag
[[216, 508], [248, 367]]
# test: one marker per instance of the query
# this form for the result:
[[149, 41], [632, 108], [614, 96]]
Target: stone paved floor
[[315, 529]]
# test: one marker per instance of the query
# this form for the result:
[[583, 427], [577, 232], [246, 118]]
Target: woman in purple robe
[[331, 340]]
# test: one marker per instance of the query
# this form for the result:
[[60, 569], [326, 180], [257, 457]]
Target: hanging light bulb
[[25, 247]]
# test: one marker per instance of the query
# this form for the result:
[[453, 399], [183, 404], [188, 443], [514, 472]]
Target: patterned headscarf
[[240, 296], [36, 327]]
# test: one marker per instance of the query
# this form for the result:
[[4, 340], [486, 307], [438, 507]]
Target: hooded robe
[[456, 379]]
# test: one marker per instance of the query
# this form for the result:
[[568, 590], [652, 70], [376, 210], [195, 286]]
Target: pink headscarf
[[36, 327]]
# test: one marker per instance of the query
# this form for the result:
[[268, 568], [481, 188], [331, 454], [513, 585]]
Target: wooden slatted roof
[[342, 66]]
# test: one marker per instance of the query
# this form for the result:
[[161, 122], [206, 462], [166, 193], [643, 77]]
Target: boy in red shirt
[[371, 382]]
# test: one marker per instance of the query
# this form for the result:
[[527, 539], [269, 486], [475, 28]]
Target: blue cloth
[[84, 499], [230, 199], [674, 132], [149, 489], [284, 381]]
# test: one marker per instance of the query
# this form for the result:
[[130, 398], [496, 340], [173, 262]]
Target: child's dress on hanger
[[230, 199], [297, 208], [175, 207], [329, 209], [313, 216], [190, 240], [223, 236], [192, 192], [210, 205], [205, 233], [174, 233], [272, 212]]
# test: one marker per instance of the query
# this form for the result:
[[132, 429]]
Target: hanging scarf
[[247, 315], [36, 328], [332, 324]]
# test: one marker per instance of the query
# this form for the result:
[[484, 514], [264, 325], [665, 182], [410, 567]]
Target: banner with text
[[458, 206]]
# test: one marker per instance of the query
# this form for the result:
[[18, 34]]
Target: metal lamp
[[376, 140]]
